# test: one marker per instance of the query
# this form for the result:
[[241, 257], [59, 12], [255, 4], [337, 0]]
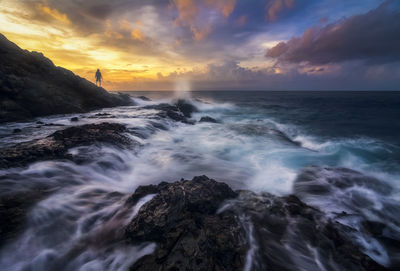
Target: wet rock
[[144, 98], [254, 129], [17, 130], [102, 115], [74, 119], [32, 86], [56, 145], [13, 209], [288, 234], [323, 180], [53, 124], [186, 108], [204, 225], [354, 196], [208, 119], [182, 220], [180, 111]]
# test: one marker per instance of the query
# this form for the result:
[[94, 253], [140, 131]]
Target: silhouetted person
[[99, 77]]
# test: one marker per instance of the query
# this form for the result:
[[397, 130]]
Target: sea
[[262, 141]]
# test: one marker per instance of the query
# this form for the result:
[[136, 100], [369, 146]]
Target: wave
[[247, 149]]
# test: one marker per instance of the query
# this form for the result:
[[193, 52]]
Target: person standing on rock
[[98, 77]]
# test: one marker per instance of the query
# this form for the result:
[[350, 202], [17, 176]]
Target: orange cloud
[[53, 13], [137, 35], [125, 25], [226, 7], [241, 21], [189, 12], [277, 6], [201, 33]]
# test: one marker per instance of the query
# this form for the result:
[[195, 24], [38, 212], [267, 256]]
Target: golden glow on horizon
[[58, 41], [132, 52]]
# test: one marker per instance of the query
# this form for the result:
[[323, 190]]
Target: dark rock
[[31, 86], [180, 111], [102, 114], [17, 130], [288, 234], [168, 111], [142, 191], [186, 108], [53, 124], [322, 180], [144, 98], [57, 144], [40, 122], [190, 235], [208, 119], [357, 203], [74, 119], [13, 209], [283, 233], [253, 129]]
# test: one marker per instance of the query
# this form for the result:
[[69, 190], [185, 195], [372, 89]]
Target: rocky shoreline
[[202, 224]]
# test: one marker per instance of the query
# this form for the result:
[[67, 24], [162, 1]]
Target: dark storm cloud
[[373, 36]]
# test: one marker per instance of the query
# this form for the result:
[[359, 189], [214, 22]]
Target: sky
[[215, 44]]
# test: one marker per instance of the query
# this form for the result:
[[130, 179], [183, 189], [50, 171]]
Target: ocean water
[[263, 142]]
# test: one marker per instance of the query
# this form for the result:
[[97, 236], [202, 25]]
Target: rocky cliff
[[31, 86]]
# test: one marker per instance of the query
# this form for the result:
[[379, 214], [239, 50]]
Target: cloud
[[373, 36], [54, 13], [200, 16], [241, 21], [274, 7]]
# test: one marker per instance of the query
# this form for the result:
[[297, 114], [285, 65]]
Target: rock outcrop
[[56, 145], [208, 119], [180, 111], [204, 225], [31, 86], [182, 220]]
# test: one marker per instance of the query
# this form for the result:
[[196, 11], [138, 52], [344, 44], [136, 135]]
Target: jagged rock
[[180, 111], [208, 119], [31, 86], [288, 233], [56, 145], [186, 108], [182, 219], [282, 233], [74, 119], [354, 196]]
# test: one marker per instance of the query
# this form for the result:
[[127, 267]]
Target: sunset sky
[[215, 44]]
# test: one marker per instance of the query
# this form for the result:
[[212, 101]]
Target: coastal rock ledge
[[204, 225], [32, 86]]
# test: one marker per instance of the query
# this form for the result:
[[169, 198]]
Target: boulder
[[208, 119], [56, 145], [180, 111], [182, 220]]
